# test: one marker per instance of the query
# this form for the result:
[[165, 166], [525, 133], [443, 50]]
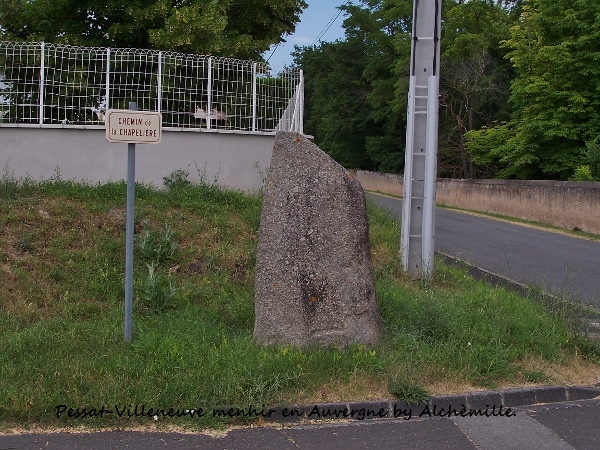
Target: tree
[[554, 50], [356, 88], [336, 107], [220, 27], [385, 26], [474, 81], [366, 94]]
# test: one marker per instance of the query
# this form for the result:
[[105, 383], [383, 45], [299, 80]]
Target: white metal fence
[[47, 84]]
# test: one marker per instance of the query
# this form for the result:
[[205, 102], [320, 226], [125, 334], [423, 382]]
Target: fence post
[[159, 88], [300, 104], [209, 94], [107, 101], [254, 97], [42, 81]]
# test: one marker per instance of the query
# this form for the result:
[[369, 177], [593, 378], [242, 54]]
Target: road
[[566, 266], [571, 425]]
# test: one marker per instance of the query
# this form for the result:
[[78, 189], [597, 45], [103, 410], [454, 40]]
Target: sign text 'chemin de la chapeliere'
[[134, 127]]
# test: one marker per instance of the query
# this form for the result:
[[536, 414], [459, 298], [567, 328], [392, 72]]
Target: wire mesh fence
[[48, 84]]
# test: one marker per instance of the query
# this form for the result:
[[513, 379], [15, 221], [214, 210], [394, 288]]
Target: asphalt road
[[561, 265], [556, 426]]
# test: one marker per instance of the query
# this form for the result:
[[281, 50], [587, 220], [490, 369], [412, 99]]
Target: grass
[[61, 316]]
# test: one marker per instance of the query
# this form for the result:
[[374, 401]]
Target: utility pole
[[420, 169]]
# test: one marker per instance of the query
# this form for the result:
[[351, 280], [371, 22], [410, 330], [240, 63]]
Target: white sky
[[313, 21]]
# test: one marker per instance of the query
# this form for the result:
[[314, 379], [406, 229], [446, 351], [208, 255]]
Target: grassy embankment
[[61, 315]]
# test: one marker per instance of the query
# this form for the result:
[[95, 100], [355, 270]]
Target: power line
[[274, 50], [321, 34], [330, 23]]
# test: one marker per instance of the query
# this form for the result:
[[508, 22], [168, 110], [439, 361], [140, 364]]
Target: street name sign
[[129, 126], [133, 127]]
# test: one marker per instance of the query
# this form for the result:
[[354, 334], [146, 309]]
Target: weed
[[202, 175], [177, 180], [264, 175], [8, 184], [586, 347], [56, 274], [592, 155], [155, 247], [535, 376], [25, 244], [583, 173], [157, 291], [411, 394], [56, 177]]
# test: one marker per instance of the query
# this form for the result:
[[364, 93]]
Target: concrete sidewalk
[[550, 417]]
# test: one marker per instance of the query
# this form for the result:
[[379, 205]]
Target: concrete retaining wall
[[236, 160], [565, 204]]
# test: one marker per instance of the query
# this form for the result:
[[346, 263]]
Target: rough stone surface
[[314, 274]]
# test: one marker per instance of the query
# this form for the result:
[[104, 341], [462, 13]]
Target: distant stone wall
[[565, 204]]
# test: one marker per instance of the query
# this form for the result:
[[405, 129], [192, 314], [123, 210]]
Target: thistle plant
[[156, 247]]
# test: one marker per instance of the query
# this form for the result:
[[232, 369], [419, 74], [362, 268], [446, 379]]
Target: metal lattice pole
[[418, 213]]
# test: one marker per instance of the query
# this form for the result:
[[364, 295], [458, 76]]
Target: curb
[[490, 403], [488, 277], [589, 325]]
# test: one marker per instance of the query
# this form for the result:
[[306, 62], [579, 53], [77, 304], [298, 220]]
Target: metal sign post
[[420, 168], [131, 127]]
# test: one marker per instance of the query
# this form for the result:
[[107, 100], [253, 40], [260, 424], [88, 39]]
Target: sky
[[313, 21]]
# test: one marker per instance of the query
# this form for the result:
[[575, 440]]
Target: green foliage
[[592, 157], [155, 247], [408, 392], [474, 82], [554, 50], [518, 88], [583, 173], [487, 146], [156, 291], [177, 180], [335, 96], [356, 90], [224, 27]]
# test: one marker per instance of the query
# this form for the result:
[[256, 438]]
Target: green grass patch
[[61, 315]]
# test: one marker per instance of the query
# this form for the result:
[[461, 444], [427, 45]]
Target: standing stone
[[314, 274]]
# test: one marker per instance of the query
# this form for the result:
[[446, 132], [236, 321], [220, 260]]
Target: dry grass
[[358, 387], [61, 272]]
